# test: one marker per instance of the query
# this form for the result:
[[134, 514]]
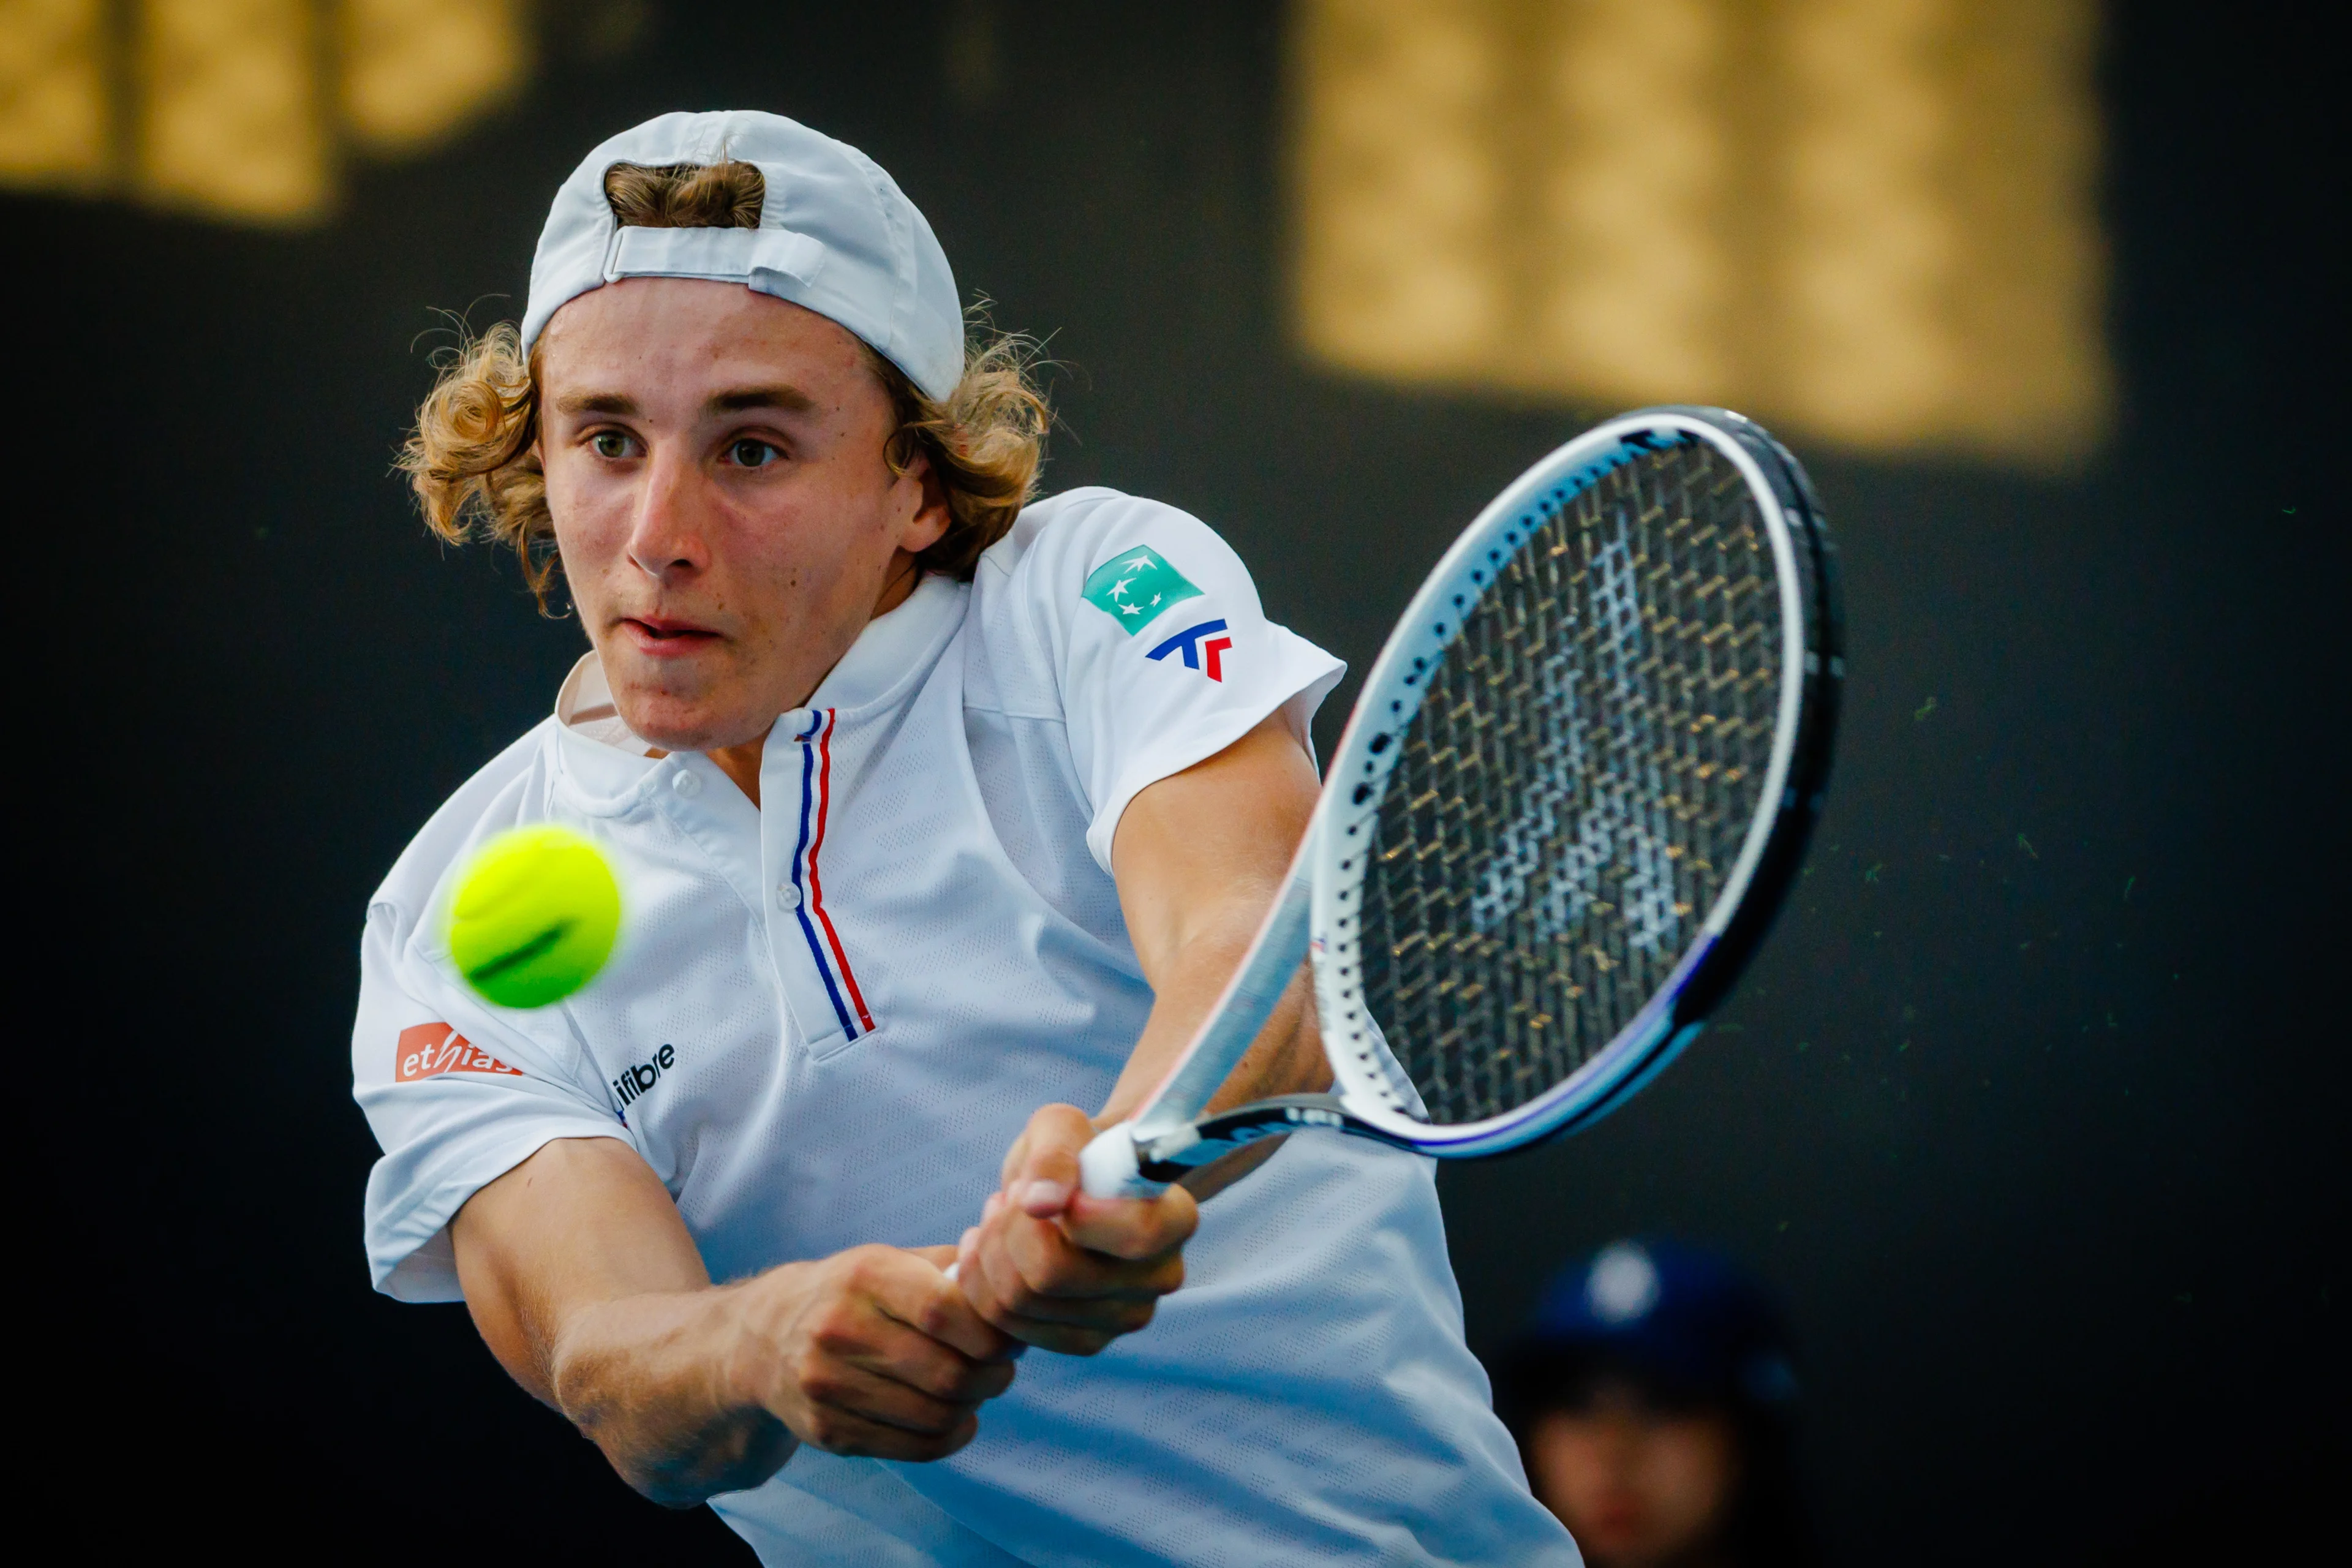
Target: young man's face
[[1639, 1486], [727, 519]]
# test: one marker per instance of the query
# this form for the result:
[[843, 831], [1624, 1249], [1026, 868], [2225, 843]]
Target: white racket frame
[[1315, 915]]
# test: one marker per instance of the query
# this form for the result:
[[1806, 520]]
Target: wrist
[[746, 1328]]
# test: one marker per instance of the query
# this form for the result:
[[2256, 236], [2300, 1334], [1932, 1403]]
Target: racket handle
[[1106, 1168]]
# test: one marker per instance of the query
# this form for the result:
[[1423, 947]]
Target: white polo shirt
[[827, 1019]]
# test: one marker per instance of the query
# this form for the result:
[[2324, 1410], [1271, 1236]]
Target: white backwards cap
[[837, 235]]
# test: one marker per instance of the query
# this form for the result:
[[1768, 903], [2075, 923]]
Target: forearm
[[1285, 1058], [1199, 858], [587, 1287], [666, 1385]]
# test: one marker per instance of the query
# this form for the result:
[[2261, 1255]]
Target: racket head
[[1578, 781]]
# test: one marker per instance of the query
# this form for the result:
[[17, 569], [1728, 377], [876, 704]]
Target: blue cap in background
[[1687, 1320]]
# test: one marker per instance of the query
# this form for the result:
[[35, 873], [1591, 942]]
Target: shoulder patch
[[1135, 585]]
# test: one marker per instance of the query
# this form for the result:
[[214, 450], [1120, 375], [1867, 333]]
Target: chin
[[685, 726]]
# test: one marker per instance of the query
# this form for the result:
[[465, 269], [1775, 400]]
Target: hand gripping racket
[[1577, 783]]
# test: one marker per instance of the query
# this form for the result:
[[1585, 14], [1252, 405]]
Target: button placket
[[800, 831]]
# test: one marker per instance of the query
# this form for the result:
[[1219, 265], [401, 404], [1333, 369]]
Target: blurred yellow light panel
[[1629, 169], [1870, 221], [415, 69], [53, 102], [235, 107], [1400, 274], [231, 120]]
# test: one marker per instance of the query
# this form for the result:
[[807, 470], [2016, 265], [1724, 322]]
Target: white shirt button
[[686, 783], [787, 896]]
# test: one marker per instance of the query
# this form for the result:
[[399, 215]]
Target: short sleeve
[[456, 1096], [1164, 655]]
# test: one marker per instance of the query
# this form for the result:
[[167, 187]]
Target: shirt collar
[[609, 760], [891, 646]]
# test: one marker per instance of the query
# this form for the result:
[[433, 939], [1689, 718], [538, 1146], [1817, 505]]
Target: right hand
[[872, 1351]]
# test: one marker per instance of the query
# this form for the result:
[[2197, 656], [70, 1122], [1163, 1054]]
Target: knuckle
[[966, 1381], [835, 1332], [1051, 1265], [937, 1317]]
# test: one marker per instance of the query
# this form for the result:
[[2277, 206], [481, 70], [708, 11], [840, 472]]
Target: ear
[[927, 495]]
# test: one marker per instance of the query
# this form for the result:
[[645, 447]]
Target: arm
[[1199, 859], [587, 1287]]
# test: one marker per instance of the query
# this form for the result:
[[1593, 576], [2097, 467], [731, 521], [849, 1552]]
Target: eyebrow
[[596, 403], [790, 399], [735, 400]]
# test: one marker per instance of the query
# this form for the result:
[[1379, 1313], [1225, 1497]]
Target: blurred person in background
[[1652, 1397]]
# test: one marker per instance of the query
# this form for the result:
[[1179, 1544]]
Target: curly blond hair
[[470, 459]]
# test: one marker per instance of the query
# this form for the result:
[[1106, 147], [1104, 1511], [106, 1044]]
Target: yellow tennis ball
[[534, 916]]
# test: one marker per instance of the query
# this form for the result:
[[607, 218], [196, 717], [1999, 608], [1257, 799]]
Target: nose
[[665, 537]]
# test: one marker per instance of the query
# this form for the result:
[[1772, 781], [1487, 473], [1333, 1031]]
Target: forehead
[[638, 333]]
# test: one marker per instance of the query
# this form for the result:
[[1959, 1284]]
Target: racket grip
[[1106, 1167]]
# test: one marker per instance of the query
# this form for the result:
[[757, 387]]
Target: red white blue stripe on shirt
[[816, 926]]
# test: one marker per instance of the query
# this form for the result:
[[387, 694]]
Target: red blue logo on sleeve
[[1202, 648]]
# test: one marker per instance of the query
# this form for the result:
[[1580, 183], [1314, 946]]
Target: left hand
[[1055, 1269]]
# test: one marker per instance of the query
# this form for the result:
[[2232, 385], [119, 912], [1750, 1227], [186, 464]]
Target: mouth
[[663, 637]]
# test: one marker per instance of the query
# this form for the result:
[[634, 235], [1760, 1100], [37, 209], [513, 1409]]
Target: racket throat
[[1166, 1157]]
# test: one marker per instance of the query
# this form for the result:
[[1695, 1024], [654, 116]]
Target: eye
[[609, 444], [748, 453]]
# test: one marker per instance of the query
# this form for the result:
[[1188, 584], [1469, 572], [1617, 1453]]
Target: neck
[[741, 764]]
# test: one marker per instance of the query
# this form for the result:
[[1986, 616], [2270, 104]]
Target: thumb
[[1049, 1166]]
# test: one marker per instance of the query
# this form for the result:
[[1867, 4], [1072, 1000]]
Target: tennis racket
[[1575, 788]]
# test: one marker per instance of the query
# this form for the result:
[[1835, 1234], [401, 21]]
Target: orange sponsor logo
[[428, 1050]]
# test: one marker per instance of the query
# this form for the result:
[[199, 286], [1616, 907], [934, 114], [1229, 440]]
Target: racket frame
[[1316, 914]]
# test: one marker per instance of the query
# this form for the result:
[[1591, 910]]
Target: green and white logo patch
[[1135, 585]]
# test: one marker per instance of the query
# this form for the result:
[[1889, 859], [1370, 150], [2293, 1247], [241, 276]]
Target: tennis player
[[942, 816]]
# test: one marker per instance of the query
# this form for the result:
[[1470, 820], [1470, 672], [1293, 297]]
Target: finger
[[1015, 1158], [1068, 1338], [926, 1300], [1081, 1288], [1034, 1271], [983, 1272], [1052, 1265], [839, 1431], [1074, 1326], [883, 1395], [1049, 1169], [903, 1354], [1133, 1228]]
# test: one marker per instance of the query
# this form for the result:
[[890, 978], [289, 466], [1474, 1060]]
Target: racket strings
[[1573, 791]]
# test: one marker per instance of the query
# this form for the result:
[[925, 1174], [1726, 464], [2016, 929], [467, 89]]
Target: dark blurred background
[[2033, 1108]]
